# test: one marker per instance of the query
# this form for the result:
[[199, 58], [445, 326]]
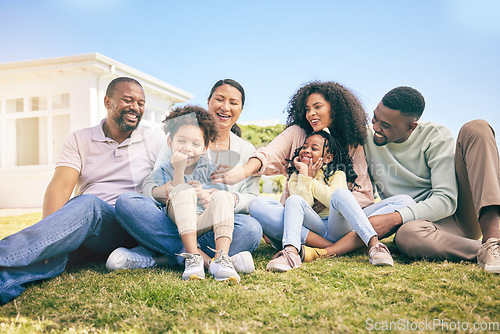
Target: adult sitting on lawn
[[158, 235], [314, 107], [406, 156], [102, 162]]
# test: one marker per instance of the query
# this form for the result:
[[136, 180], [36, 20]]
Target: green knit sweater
[[422, 167]]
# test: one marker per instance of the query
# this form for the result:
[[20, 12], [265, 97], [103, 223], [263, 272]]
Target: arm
[[162, 181], [248, 190], [149, 183], [363, 194], [269, 160], [233, 175], [442, 202], [59, 189]]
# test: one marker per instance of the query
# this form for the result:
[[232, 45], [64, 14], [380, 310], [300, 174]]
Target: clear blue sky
[[449, 49]]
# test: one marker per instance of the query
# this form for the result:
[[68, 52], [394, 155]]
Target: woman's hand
[[228, 175]]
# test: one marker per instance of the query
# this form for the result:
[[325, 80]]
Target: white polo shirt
[[107, 168]]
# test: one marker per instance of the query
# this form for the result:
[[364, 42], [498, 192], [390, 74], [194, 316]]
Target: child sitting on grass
[[193, 204], [320, 170]]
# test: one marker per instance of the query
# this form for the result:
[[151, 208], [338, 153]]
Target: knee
[[478, 128], [182, 187], [255, 206], [252, 228], [86, 199], [125, 201], [411, 237], [338, 194], [403, 200], [87, 203], [295, 200], [222, 196]]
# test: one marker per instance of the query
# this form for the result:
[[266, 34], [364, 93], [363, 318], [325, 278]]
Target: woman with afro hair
[[315, 106]]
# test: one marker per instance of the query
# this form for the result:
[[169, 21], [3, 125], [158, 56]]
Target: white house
[[43, 101]]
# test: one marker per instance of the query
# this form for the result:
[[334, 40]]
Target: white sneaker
[[123, 258], [380, 255], [222, 268], [193, 266], [488, 256], [243, 262]]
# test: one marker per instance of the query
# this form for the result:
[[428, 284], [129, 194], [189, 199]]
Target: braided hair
[[341, 159]]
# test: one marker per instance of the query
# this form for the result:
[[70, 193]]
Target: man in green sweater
[[457, 189]]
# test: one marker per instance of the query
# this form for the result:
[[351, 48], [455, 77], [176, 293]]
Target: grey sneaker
[[193, 267], [284, 260], [222, 269], [380, 255], [488, 256], [123, 258], [243, 262]]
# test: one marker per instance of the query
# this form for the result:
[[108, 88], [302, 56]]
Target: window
[[35, 129], [152, 118]]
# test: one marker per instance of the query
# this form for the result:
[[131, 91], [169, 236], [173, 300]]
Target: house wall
[[24, 186]]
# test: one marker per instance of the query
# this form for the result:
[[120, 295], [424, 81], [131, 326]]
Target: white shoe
[[380, 255], [243, 262], [222, 268], [123, 258], [193, 266], [488, 256]]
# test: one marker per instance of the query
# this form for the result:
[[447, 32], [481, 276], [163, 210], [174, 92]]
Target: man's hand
[[386, 224]]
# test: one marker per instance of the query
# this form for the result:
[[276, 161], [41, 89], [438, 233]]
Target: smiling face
[[189, 141], [226, 105], [126, 105], [390, 126], [318, 112], [313, 149]]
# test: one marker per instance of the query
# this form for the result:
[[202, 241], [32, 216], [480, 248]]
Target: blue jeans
[[42, 250], [271, 215], [150, 226]]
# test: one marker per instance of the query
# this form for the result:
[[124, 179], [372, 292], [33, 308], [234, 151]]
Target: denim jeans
[[271, 215], [42, 250], [150, 226]]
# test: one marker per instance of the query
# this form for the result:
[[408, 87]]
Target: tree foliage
[[260, 135]]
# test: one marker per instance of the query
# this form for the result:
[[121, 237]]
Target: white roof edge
[[145, 79]]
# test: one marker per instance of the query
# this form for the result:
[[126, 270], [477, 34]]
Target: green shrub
[[260, 136]]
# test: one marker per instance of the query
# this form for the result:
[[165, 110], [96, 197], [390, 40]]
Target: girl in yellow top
[[319, 175]]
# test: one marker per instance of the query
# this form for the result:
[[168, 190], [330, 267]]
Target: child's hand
[[314, 168], [302, 168], [179, 161], [309, 169], [203, 195]]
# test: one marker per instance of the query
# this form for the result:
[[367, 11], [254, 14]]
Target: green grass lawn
[[344, 294]]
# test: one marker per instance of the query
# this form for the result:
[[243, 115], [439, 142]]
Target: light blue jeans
[[291, 224], [150, 226], [42, 250]]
